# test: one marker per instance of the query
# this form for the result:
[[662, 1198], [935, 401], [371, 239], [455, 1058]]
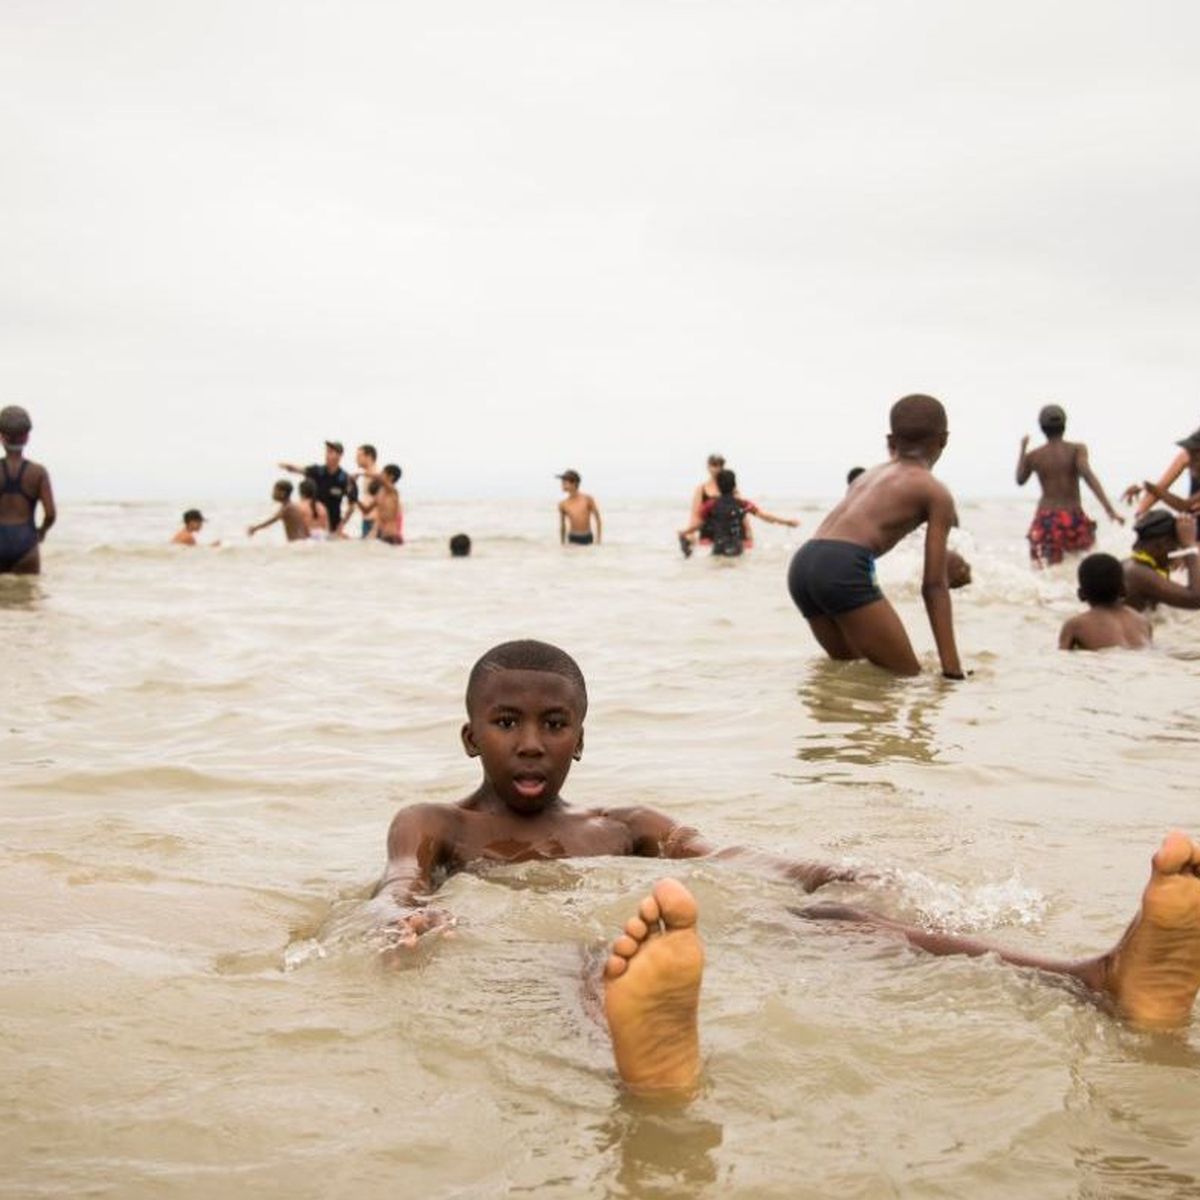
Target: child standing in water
[[294, 525], [832, 577], [576, 513], [23, 487], [1060, 526], [1108, 621]]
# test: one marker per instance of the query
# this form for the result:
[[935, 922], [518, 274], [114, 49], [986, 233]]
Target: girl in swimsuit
[[23, 485]]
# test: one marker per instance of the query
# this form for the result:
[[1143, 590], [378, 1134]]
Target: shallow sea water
[[203, 750]]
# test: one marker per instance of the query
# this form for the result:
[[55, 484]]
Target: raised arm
[[1024, 463], [935, 588], [1172, 473], [1089, 477], [1154, 587], [292, 468], [49, 511]]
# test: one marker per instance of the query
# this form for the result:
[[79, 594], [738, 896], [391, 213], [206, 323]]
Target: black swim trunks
[[828, 578], [580, 539]]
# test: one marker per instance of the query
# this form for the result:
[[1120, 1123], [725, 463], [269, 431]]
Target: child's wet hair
[[1101, 579], [917, 418], [393, 472], [527, 655], [460, 545], [726, 482], [283, 489], [192, 514], [854, 473]]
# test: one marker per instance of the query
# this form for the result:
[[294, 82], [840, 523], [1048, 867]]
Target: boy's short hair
[[726, 482], [917, 418], [193, 514], [854, 473], [15, 425], [284, 486], [527, 655], [1052, 420], [369, 451], [460, 545], [1101, 579], [308, 489], [393, 472]]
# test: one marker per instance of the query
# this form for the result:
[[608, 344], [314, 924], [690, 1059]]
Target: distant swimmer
[[725, 519], [704, 492], [460, 546], [24, 486], [294, 524], [333, 485], [576, 513], [365, 458], [832, 577], [388, 525], [1109, 621], [1060, 526], [1160, 539], [193, 523], [1189, 458], [526, 705]]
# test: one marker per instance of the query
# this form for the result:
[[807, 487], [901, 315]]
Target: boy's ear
[[578, 748], [944, 438], [891, 443], [468, 741], [1081, 596]]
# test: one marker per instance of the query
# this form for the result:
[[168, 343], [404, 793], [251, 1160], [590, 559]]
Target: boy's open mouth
[[529, 786]]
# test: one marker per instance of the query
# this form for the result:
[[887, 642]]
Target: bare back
[[1057, 466], [884, 505], [294, 524], [19, 498], [1106, 626]]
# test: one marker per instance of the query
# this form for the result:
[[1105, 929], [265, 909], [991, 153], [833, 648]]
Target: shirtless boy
[[1060, 525], [526, 703], [23, 487], [725, 519], [193, 522], [832, 576], [313, 513], [1161, 538], [290, 514], [388, 525], [1108, 621], [576, 513], [365, 458]]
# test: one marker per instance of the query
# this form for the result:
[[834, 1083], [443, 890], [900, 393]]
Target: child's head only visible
[[1052, 421], [526, 702], [308, 489], [726, 482], [918, 426], [282, 491], [193, 520], [15, 427], [460, 546], [1101, 580]]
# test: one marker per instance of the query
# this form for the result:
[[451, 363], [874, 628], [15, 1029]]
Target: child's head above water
[[460, 545], [193, 519], [526, 702], [1053, 421], [918, 425], [726, 482], [282, 491], [1101, 580]]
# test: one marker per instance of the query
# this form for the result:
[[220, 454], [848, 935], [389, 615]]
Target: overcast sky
[[499, 239]]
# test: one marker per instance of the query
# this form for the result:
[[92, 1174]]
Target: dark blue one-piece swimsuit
[[16, 541]]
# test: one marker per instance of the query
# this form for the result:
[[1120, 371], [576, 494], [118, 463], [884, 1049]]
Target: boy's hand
[[250, 531], [1113, 515], [1185, 530], [404, 933], [1131, 493], [792, 524]]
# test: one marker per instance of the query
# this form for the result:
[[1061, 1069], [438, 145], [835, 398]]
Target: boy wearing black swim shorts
[[832, 577]]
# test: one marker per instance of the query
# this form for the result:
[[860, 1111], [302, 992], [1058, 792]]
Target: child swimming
[[832, 576], [526, 704], [1108, 620]]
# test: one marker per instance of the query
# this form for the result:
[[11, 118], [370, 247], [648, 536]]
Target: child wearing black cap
[[1160, 539], [1060, 526], [576, 513]]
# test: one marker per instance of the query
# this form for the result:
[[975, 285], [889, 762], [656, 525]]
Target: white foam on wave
[[954, 908]]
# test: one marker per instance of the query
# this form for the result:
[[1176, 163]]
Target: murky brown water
[[203, 751]]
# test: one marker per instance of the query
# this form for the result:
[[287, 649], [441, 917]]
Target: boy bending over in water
[[1108, 621], [526, 703], [832, 577]]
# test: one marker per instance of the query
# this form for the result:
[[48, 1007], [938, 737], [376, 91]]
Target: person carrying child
[[832, 576], [724, 519]]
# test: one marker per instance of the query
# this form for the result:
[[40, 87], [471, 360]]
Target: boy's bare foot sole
[[1153, 973], [652, 992]]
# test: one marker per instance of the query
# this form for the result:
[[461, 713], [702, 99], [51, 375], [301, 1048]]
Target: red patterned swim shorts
[[1059, 531]]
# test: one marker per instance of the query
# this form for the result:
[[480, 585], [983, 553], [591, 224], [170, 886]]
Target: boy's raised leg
[[1152, 974], [652, 993], [877, 634]]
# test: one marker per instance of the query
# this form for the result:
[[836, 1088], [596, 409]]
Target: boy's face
[[570, 486], [280, 494], [527, 728], [333, 458], [194, 525], [364, 460]]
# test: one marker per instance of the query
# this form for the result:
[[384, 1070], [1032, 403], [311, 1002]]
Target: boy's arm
[[49, 511], [935, 590], [419, 842], [595, 512], [1024, 463], [562, 524], [1172, 473], [292, 468], [655, 835], [263, 524], [1170, 499], [1066, 635], [1088, 476], [771, 518]]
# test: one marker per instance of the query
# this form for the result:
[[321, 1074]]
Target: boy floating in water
[[294, 525], [193, 522], [576, 513], [724, 519], [23, 487], [1108, 621], [832, 577], [526, 704], [1060, 525]]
